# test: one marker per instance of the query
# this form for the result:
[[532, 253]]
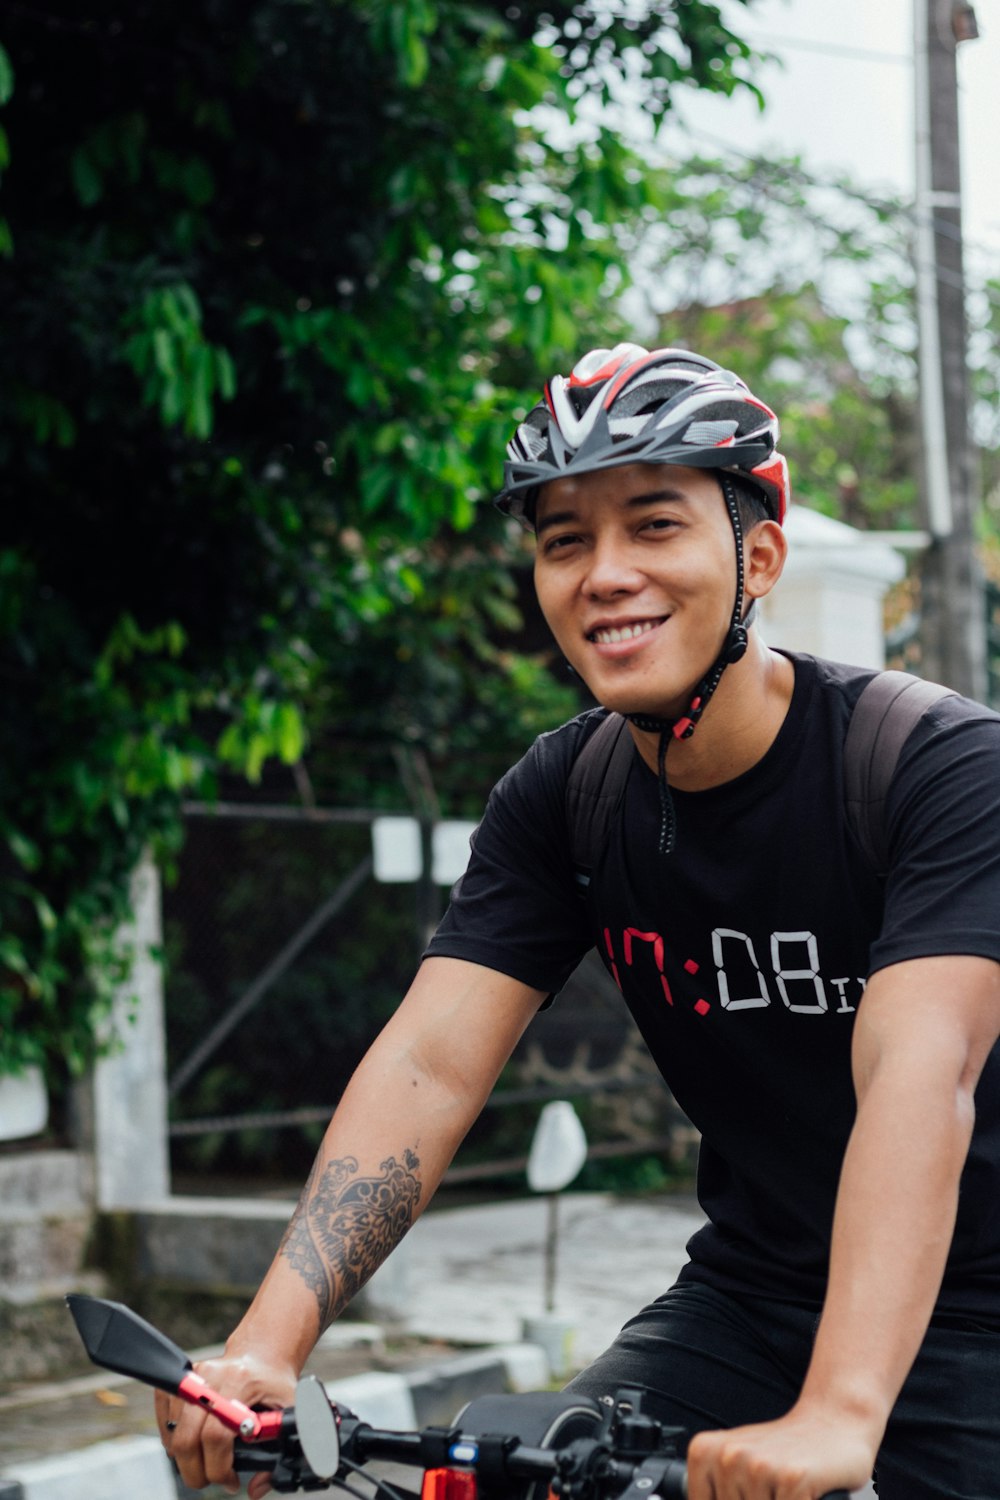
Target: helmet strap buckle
[[736, 645]]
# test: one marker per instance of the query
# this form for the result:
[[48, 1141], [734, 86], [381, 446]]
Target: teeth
[[626, 633]]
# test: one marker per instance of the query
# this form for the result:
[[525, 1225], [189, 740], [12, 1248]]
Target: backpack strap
[[889, 708], [594, 790]]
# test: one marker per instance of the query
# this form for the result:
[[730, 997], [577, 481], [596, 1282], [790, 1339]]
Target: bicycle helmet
[[663, 406], [632, 405]]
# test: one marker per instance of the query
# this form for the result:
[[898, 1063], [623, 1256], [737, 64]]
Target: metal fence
[[285, 957]]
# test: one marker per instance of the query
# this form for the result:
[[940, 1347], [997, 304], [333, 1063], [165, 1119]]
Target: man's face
[[635, 569]]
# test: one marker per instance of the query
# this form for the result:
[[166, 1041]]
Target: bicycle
[[503, 1447]]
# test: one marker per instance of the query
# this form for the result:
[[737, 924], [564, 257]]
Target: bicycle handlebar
[[588, 1468], [499, 1448]]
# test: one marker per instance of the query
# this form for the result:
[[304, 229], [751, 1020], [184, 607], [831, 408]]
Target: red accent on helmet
[[774, 474], [604, 373], [626, 374]]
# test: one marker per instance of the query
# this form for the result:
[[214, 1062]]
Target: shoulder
[[546, 765], [953, 732], [840, 683], [945, 789]]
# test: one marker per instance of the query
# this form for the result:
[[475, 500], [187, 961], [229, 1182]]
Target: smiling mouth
[[611, 635]]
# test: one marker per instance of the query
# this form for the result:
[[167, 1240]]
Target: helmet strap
[[733, 649]]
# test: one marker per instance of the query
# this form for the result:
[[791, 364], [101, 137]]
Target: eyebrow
[[636, 502]]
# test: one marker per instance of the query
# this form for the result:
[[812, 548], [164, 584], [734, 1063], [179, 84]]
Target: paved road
[[476, 1273]]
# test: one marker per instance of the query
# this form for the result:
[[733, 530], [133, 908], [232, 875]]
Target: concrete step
[[46, 1183]]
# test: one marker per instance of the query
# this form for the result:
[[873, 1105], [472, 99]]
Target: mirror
[[317, 1427]]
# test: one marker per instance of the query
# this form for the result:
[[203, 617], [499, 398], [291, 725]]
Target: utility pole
[[953, 632]]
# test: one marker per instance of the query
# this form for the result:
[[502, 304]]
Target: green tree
[[270, 273]]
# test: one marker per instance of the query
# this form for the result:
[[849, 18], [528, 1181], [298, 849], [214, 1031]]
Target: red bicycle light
[[448, 1484]]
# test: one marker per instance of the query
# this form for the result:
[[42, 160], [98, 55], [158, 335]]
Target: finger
[[185, 1450], [259, 1486], [161, 1406], [217, 1456], [700, 1484]]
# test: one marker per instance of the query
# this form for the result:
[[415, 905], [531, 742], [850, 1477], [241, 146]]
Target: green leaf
[[412, 581], [377, 480], [163, 353], [46, 916], [86, 178], [175, 637], [290, 733], [24, 850], [6, 77], [173, 403], [225, 374], [199, 412], [257, 751]]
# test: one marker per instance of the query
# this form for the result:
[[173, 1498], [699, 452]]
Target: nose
[[611, 570]]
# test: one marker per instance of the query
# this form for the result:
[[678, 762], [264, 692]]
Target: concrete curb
[[125, 1468], [113, 1470]]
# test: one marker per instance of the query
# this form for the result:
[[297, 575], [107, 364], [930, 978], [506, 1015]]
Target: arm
[[403, 1115], [922, 1035]]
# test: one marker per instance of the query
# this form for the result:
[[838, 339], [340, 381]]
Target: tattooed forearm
[[344, 1227]]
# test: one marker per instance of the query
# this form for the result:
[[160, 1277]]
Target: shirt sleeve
[[516, 909], [943, 821]]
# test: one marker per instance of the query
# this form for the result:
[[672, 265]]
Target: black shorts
[[710, 1360]]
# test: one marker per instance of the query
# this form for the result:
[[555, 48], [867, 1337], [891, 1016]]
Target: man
[[830, 1033]]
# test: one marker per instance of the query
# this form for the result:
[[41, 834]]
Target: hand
[[800, 1457], [198, 1443]]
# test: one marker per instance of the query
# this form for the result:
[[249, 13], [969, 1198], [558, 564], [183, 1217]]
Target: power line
[[830, 49]]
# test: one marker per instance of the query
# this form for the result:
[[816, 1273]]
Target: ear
[[765, 550]]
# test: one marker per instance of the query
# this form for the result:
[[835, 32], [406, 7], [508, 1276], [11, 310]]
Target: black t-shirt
[[743, 957]]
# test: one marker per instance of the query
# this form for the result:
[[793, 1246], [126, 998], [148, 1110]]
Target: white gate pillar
[[129, 1092], [829, 599]]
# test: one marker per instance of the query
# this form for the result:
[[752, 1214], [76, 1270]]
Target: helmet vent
[[704, 433], [628, 426]]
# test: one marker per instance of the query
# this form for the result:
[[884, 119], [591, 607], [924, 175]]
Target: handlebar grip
[[255, 1458]]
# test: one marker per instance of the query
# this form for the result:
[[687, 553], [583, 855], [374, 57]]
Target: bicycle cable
[[382, 1486]]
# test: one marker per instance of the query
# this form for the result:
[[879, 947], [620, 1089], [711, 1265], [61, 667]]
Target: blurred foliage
[[806, 288], [274, 276]]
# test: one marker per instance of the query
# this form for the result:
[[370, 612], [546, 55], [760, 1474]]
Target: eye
[[659, 523], [561, 542]]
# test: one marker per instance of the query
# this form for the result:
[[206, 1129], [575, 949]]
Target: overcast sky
[[844, 99]]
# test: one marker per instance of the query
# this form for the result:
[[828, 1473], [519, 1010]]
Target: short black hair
[[750, 502]]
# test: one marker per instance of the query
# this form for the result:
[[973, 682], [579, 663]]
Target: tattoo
[[344, 1227]]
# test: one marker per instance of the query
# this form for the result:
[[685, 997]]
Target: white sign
[[558, 1148], [396, 850]]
